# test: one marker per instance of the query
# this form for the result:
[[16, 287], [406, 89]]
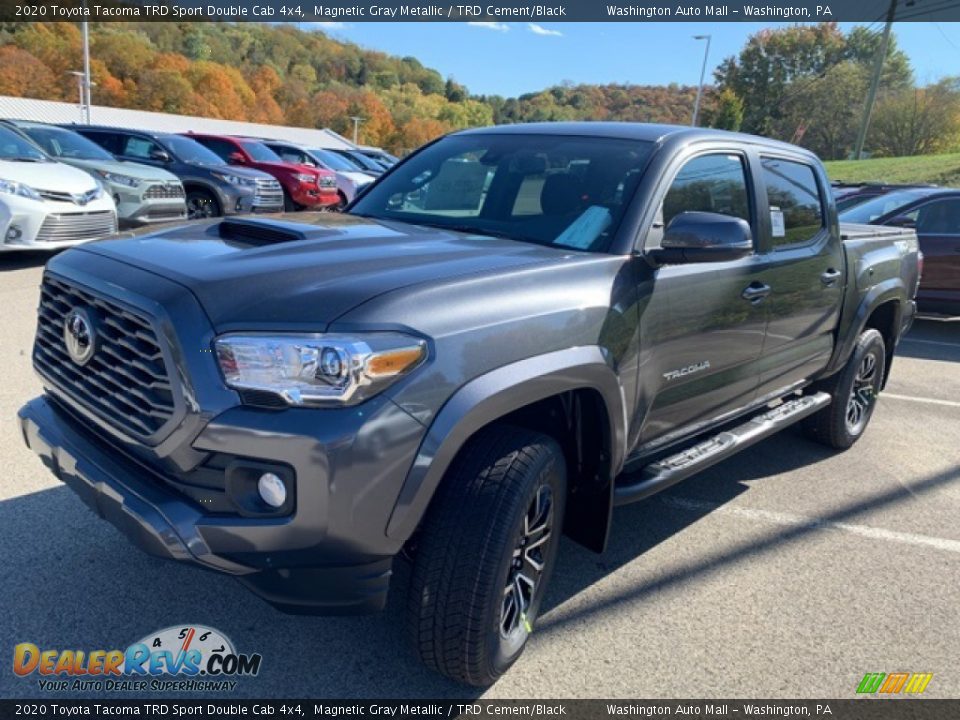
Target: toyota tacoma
[[512, 332]]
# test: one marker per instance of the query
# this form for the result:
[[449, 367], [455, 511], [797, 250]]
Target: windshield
[[190, 151], [877, 207], [546, 189], [260, 152], [332, 161], [16, 148], [65, 144]]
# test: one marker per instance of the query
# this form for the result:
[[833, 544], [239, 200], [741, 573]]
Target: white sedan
[[46, 205]]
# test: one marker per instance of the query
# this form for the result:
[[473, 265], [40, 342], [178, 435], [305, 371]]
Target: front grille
[[164, 191], [268, 192], [58, 227], [79, 199], [125, 382], [174, 213]]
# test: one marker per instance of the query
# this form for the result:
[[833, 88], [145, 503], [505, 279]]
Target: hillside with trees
[[799, 83]]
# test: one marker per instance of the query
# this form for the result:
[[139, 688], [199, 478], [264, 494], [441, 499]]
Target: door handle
[[829, 277], [755, 292]]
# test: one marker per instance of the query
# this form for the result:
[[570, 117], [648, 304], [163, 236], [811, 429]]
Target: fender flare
[[892, 289], [493, 395]]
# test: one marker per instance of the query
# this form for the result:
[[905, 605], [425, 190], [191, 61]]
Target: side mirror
[[236, 158], [160, 156], [903, 221], [695, 236]]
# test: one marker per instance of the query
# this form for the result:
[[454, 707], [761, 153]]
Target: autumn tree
[[24, 75]]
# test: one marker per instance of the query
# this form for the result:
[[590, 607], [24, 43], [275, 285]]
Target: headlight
[[17, 188], [305, 178], [236, 179], [318, 369], [119, 179]]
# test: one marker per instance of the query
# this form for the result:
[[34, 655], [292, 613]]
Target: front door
[[703, 327]]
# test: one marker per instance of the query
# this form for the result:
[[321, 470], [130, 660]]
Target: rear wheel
[[202, 204], [854, 393], [485, 554]]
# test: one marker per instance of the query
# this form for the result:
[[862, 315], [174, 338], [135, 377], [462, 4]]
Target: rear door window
[[796, 205]]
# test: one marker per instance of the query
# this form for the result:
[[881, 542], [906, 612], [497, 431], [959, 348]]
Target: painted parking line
[[791, 520], [911, 398], [930, 342]]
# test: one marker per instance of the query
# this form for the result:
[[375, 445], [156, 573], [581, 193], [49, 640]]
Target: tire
[[288, 204], [201, 204], [341, 203], [463, 611], [853, 393]]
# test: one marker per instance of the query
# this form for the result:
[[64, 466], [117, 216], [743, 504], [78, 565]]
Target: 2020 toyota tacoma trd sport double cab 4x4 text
[[510, 333]]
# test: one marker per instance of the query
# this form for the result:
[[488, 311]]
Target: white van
[[46, 205]]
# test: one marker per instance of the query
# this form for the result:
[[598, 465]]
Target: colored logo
[[894, 683], [185, 650]]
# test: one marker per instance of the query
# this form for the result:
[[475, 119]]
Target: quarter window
[[796, 211]]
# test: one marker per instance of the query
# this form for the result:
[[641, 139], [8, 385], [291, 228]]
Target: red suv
[[303, 186]]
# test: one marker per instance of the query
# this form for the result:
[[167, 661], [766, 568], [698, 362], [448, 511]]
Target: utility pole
[[875, 81], [79, 75], [703, 71], [356, 127], [85, 88]]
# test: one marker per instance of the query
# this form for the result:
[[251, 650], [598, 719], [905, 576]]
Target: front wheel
[[485, 554], [853, 393], [201, 205]]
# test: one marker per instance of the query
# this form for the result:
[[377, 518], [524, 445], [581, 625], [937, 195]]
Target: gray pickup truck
[[513, 331]]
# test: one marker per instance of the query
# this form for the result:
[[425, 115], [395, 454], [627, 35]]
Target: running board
[[662, 474]]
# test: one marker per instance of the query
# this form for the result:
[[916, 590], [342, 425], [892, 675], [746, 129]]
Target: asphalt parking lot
[[788, 571]]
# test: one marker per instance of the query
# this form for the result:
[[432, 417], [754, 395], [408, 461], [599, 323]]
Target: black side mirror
[[160, 156], [695, 236], [903, 221]]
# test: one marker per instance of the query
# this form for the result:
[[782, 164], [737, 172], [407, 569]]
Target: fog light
[[14, 232], [272, 490]]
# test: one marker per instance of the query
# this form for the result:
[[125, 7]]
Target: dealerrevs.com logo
[[177, 658]]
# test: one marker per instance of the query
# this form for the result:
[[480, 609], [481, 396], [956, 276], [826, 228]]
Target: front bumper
[[27, 224], [313, 196], [149, 204], [162, 522]]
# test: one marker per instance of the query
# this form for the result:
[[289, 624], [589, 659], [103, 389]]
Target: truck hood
[[51, 176], [304, 284]]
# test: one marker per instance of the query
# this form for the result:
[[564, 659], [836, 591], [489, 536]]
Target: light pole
[[85, 104], [703, 71], [356, 126], [83, 93]]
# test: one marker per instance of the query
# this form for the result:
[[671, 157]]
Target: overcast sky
[[513, 58]]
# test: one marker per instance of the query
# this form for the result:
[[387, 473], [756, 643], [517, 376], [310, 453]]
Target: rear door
[[701, 336], [804, 263]]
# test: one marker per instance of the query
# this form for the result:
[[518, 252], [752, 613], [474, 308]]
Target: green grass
[[938, 169]]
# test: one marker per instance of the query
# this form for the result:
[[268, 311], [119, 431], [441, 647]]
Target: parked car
[[212, 187], [143, 194], [935, 215], [303, 187], [44, 204], [362, 162], [848, 195], [379, 155], [349, 180], [624, 306]]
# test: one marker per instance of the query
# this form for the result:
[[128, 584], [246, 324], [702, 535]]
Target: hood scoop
[[252, 232]]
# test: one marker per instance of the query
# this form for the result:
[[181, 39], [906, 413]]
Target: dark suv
[[213, 188], [304, 187]]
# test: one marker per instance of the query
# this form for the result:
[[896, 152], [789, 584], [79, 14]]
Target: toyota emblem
[[79, 335]]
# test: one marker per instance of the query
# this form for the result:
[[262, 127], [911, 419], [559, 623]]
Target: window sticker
[[776, 221]]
